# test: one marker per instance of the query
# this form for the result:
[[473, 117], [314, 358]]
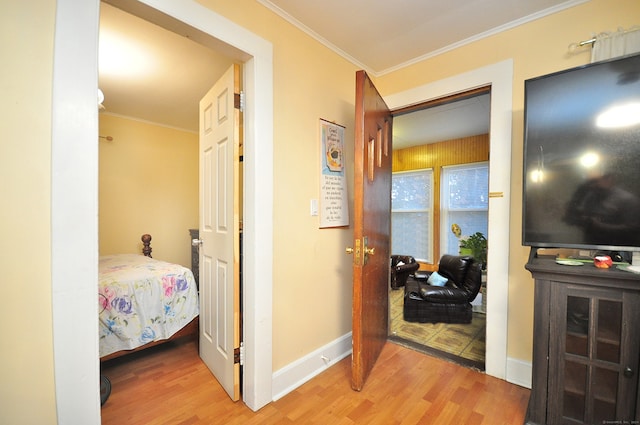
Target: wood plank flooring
[[170, 385]]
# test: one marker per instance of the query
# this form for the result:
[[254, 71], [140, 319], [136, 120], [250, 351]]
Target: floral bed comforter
[[142, 300]]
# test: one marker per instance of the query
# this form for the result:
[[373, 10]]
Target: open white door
[[219, 231]]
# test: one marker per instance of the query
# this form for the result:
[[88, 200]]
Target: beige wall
[[27, 394], [311, 83], [537, 48], [148, 183], [312, 276], [306, 80]]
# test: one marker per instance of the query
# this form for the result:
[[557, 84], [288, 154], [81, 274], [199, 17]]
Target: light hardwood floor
[[170, 385]]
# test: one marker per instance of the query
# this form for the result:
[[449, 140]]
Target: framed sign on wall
[[334, 206]]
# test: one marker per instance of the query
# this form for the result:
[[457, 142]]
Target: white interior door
[[219, 232]]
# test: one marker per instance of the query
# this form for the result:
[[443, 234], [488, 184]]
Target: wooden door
[[219, 232], [372, 227]]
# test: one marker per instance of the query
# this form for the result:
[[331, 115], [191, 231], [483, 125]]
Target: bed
[[143, 302]]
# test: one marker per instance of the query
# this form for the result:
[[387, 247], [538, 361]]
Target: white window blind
[[412, 214], [464, 200]]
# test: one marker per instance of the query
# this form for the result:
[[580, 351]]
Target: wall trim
[[519, 372], [304, 369], [297, 373]]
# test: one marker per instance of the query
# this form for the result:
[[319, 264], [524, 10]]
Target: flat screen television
[[581, 177]]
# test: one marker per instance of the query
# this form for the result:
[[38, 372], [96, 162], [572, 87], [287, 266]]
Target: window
[[464, 200], [412, 214]]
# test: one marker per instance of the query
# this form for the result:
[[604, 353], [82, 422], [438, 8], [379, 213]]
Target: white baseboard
[[519, 372], [302, 370]]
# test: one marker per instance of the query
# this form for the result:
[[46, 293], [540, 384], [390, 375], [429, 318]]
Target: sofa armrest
[[407, 268], [422, 275]]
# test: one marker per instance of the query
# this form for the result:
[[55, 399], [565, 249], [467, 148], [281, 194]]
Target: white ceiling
[[383, 35], [455, 120], [152, 74]]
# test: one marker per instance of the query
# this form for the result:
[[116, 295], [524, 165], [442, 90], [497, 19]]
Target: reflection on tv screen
[[582, 157]]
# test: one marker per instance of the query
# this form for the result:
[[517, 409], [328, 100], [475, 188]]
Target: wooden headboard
[[146, 242]]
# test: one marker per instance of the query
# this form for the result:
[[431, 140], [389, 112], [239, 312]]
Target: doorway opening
[[440, 144], [500, 77], [162, 140], [74, 168]]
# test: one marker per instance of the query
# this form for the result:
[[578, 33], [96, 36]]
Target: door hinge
[[238, 354], [238, 101]]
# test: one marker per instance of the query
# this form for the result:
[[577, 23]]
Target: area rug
[[463, 343]]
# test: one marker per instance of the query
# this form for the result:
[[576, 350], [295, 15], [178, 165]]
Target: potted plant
[[476, 244]]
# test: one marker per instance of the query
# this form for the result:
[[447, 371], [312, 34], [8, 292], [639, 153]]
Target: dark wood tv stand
[[586, 344]]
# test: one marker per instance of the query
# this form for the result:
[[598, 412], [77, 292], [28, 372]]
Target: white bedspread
[[142, 300]]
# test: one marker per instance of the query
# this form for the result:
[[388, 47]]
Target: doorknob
[[355, 251], [369, 251], [196, 242]]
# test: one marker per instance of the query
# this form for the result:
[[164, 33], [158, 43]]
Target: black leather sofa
[[402, 266], [450, 303]]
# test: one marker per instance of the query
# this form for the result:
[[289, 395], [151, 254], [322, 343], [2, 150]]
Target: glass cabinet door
[[595, 374], [576, 357]]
